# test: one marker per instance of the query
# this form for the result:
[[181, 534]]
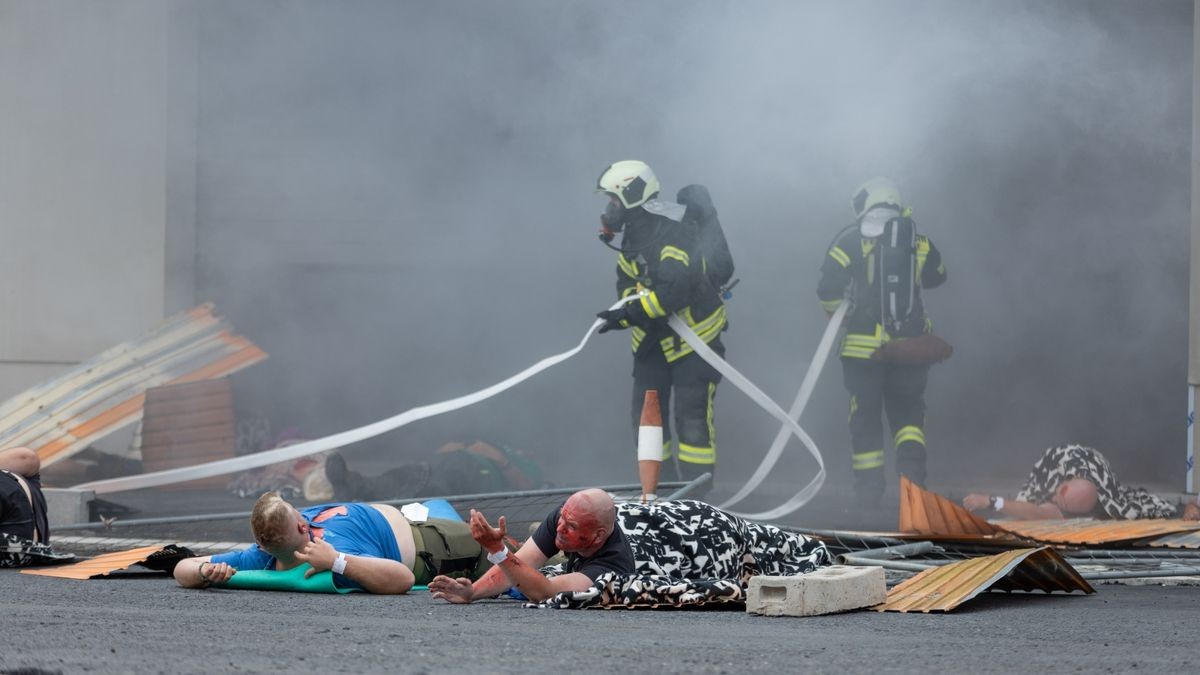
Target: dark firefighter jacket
[[851, 263], [659, 256]]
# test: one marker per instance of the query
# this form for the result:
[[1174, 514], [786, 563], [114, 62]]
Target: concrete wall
[[84, 141]]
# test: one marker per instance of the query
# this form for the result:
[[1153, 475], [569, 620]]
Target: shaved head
[[586, 520], [1076, 496]]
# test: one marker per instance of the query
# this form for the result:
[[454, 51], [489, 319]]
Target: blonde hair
[[269, 520]]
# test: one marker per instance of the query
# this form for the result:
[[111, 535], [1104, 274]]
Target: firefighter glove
[[614, 319]]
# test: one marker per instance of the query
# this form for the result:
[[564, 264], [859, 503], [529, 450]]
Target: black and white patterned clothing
[[1062, 463], [688, 552], [21, 552]]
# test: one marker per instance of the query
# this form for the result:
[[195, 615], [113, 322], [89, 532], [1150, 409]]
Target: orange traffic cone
[[650, 446]]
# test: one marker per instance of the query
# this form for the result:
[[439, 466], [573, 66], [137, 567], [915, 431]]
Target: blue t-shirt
[[353, 529]]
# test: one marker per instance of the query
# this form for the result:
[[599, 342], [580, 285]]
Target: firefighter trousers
[[899, 390], [692, 383]]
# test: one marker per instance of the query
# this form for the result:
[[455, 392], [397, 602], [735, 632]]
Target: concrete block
[[67, 507], [825, 591]]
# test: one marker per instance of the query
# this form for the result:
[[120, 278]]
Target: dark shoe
[[689, 472], [339, 476]]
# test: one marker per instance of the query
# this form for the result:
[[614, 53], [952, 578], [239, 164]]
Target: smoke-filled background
[[395, 200]]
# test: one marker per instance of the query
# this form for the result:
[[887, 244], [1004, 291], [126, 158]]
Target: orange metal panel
[[941, 589], [931, 515], [925, 512], [1181, 540], [1084, 531], [99, 566]]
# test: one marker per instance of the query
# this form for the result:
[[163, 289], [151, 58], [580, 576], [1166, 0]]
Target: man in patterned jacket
[[1076, 481], [661, 553]]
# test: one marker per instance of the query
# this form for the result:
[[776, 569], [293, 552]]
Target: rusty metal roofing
[[941, 589], [933, 516], [1085, 531], [63, 415], [925, 512], [155, 557]]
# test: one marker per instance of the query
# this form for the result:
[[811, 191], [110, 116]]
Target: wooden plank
[[206, 402], [170, 393], [182, 435], [203, 418]]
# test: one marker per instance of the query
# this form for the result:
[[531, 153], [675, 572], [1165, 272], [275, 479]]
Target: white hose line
[[705, 352], [802, 396], [290, 452]]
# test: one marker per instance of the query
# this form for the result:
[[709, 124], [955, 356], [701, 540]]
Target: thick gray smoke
[[395, 200]]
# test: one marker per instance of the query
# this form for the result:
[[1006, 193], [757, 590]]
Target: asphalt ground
[[146, 624]]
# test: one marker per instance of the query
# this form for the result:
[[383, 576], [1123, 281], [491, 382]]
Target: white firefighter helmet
[[630, 181], [878, 191]]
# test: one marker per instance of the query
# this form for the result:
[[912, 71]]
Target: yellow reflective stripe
[[868, 245], [639, 334], [840, 256], [708, 419], [910, 433], [629, 291], [673, 252], [710, 326], [853, 405], [629, 267], [922, 254], [693, 454], [862, 345], [831, 305], [707, 330], [651, 305], [867, 460]]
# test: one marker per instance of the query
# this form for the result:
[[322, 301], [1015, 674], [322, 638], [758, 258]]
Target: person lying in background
[[372, 547], [1077, 481]]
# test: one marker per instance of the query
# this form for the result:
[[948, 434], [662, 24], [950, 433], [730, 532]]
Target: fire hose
[[341, 439]]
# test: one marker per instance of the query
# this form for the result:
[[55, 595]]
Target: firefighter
[[880, 265], [660, 256]]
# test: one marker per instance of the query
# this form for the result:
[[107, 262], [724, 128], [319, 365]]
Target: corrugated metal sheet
[[941, 589], [62, 416], [932, 516], [925, 512], [1085, 531], [155, 557], [1181, 540]]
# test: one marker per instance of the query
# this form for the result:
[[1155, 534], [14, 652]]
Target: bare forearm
[[492, 583], [187, 572], [379, 575], [531, 582], [1030, 511]]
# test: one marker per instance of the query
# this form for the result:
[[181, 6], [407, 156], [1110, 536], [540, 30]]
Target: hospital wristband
[[498, 557], [339, 565]]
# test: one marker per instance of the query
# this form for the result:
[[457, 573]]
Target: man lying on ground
[[1077, 481], [23, 523], [583, 527], [683, 552], [372, 547]]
